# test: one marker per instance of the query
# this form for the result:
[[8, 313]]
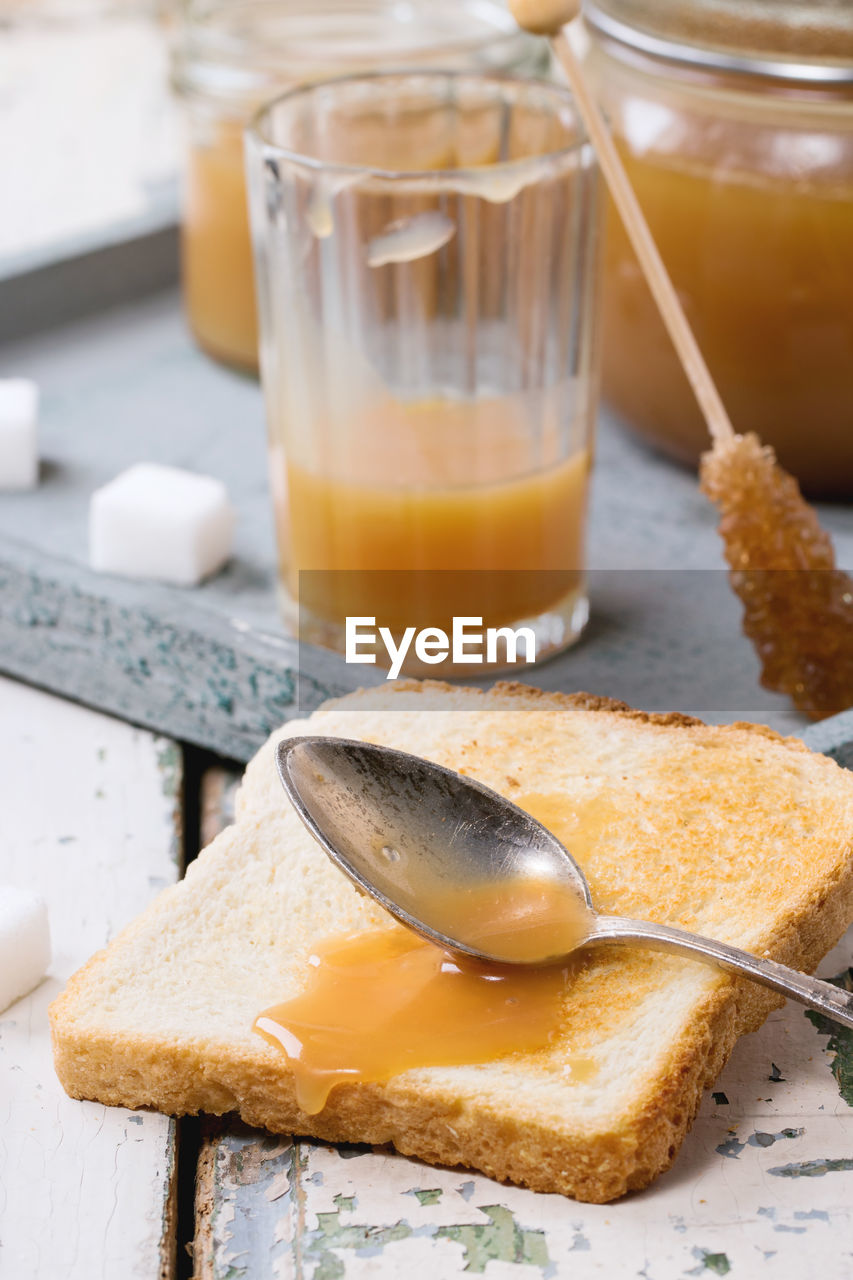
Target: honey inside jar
[[746, 180], [384, 1001], [763, 266], [216, 250]]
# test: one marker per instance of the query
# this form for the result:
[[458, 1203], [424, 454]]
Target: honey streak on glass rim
[[529, 91]]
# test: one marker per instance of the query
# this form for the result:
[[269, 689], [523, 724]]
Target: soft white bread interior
[[732, 831]]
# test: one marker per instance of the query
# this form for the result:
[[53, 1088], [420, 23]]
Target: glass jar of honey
[[735, 121], [233, 55]]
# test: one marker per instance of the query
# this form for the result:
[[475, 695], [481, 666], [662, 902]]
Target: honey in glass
[[428, 350]]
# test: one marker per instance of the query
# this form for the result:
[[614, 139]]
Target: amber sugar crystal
[[798, 606]]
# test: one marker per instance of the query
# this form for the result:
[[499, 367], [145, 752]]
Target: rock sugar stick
[[798, 606]]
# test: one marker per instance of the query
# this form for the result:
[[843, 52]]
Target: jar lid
[[803, 40], [247, 50]]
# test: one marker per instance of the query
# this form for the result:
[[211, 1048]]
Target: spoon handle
[[831, 1001]]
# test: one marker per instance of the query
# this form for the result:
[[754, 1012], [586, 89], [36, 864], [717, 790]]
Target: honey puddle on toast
[[384, 1001]]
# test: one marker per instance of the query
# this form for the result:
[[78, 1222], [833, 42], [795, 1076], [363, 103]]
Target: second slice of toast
[[733, 832]]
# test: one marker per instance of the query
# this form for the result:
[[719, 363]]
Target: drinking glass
[[426, 262]]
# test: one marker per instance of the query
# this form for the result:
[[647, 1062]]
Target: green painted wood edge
[[153, 656], [833, 737]]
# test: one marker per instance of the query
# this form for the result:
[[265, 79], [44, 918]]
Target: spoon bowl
[[437, 850], [473, 873]]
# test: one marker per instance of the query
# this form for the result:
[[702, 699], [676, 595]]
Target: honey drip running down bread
[[731, 832], [425, 1007], [383, 1001]]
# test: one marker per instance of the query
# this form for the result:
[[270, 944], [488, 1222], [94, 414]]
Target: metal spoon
[[411, 834]]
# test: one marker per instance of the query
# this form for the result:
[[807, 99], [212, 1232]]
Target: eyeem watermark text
[[468, 642]]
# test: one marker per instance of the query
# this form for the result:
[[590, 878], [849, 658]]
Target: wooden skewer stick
[[633, 218]]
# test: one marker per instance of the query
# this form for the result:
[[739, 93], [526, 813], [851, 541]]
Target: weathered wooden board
[[88, 819], [834, 737], [213, 665], [763, 1185]]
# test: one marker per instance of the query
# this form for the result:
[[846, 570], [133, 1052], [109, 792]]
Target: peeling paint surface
[[86, 1191], [840, 1042]]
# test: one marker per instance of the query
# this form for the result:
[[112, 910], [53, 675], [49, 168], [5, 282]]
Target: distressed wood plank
[[248, 1204], [89, 816], [764, 1182]]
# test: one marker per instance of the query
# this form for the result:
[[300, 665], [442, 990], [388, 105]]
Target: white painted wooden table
[[761, 1188], [88, 810]]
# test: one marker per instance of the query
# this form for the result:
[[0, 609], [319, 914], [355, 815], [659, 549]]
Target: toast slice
[[734, 832]]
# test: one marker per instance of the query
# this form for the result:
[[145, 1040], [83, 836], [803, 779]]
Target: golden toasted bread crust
[[125, 1034]]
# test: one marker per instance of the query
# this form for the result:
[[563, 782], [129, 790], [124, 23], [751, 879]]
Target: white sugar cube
[[24, 943], [162, 523], [19, 462]]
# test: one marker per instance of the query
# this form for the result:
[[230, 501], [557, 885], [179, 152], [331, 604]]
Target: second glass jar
[[233, 55]]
